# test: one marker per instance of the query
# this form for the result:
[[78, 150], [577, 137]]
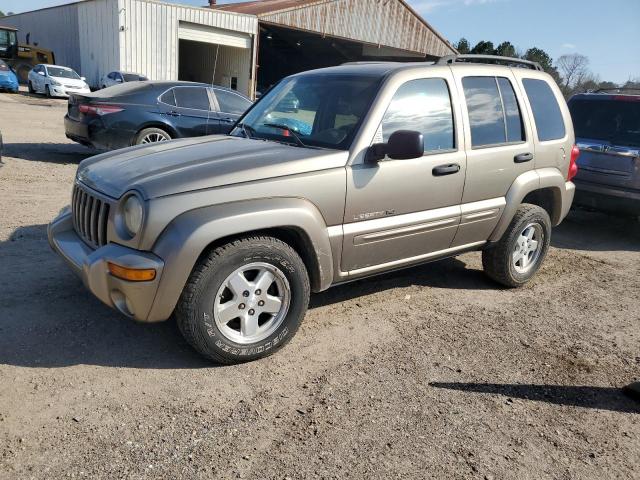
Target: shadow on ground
[[48, 319], [595, 231], [600, 398], [48, 152]]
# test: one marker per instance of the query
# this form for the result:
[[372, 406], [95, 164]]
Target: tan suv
[[381, 166]]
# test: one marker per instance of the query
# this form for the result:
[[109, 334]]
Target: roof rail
[[617, 90], [472, 58]]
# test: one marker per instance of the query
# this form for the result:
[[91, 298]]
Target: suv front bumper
[[133, 299]]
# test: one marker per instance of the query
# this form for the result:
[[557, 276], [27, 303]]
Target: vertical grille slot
[[90, 216]]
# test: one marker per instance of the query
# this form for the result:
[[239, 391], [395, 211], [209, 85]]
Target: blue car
[[8, 79]]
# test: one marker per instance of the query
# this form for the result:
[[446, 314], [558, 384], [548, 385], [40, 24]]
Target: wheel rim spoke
[[238, 284], [264, 280], [272, 305], [228, 311], [249, 325]]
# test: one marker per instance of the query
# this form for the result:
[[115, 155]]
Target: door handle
[[523, 157], [173, 113], [448, 169]]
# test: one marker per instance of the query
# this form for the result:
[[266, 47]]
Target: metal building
[[162, 41], [244, 45], [298, 35]]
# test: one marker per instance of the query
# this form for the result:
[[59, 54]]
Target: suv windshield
[[316, 110], [615, 121], [62, 73]]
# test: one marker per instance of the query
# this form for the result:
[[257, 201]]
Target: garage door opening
[[214, 56], [285, 51]]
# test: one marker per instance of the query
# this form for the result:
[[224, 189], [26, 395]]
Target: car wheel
[[152, 135], [30, 86], [516, 258], [244, 300], [47, 91]]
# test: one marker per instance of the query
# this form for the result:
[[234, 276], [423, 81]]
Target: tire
[[47, 91], [513, 261], [213, 295], [151, 135], [30, 86]]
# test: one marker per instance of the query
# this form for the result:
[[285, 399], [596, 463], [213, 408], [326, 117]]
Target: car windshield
[[62, 73], [314, 110], [133, 77], [3, 67], [616, 121]]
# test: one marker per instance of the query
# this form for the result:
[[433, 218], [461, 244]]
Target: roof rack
[[491, 59], [616, 90]]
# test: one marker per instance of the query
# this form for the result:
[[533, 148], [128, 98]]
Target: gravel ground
[[433, 372]]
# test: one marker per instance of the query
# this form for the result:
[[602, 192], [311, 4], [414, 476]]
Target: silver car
[[380, 167]]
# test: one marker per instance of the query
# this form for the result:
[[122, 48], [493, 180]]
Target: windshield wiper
[[288, 129]]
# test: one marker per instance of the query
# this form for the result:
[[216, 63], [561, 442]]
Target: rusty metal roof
[[391, 23]]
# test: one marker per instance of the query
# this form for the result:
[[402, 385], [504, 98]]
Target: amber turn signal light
[[132, 274]]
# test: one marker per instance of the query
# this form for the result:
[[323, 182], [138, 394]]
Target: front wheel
[[30, 86], [244, 300], [47, 91], [516, 258]]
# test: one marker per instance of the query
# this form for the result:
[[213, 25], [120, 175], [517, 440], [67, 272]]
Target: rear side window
[[424, 106], [168, 98], [546, 111], [494, 113], [192, 97], [231, 103]]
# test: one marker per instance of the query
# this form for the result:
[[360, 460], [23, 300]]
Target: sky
[[606, 32]]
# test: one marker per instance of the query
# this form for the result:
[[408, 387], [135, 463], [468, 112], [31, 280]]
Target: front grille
[[90, 216]]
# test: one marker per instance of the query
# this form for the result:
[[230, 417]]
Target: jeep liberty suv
[[381, 166]]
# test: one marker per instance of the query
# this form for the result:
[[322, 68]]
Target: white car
[[56, 81], [114, 78]]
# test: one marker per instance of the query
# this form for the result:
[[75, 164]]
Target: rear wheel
[[152, 135], [516, 258], [244, 300]]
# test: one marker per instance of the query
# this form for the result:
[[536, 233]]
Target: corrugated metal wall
[[52, 28], [234, 62], [379, 22], [149, 41], [98, 33]]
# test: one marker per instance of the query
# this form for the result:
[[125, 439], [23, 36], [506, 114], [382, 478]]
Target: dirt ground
[[433, 372]]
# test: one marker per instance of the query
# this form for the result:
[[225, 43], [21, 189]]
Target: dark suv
[[607, 127]]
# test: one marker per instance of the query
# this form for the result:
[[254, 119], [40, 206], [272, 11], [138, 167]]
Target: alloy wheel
[[252, 303], [528, 248]]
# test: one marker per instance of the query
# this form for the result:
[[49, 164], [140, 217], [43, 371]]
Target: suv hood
[[179, 166]]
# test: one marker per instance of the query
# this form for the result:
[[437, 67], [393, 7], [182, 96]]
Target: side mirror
[[402, 145], [84, 79], [41, 73], [118, 80]]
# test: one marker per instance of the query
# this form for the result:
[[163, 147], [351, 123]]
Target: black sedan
[[145, 112]]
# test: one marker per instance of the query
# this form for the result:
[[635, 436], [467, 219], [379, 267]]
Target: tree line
[[571, 72]]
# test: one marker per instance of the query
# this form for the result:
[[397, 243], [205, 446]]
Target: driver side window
[[422, 105]]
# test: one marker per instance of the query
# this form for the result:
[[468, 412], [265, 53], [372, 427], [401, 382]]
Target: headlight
[[132, 212], [54, 82]]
